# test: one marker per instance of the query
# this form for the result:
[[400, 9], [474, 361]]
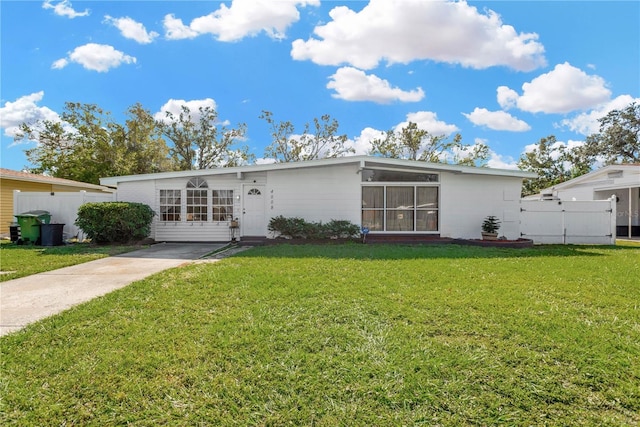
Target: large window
[[197, 202], [400, 208], [222, 205], [170, 205]]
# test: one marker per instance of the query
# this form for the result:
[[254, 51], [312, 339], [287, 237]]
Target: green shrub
[[342, 228], [298, 228], [108, 222]]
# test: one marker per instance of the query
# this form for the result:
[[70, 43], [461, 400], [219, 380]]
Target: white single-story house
[[621, 181], [387, 196]]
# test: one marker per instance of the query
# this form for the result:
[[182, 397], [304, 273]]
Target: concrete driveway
[[28, 299]]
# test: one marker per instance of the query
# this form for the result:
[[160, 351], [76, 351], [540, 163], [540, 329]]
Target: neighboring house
[[389, 197], [11, 180], [622, 181]]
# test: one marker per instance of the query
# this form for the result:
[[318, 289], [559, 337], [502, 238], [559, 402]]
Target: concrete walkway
[[28, 299]]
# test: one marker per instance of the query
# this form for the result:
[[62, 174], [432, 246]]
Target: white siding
[[315, 194], [466, 200], [148, 192]]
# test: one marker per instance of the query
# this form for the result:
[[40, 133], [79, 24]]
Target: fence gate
[[569, 221]]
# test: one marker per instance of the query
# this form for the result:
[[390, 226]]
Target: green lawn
[[365, 335], [19, 261]]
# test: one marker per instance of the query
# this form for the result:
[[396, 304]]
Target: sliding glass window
[[400, 208]]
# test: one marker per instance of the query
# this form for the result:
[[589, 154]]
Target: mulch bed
[[519, 243]]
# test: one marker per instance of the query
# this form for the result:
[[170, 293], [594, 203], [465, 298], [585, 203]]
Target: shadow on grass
[[424, 251]]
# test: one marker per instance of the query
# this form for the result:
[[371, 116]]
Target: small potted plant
[[490, 227]]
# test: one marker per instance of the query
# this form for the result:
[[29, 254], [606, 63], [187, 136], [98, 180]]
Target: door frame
[[245, 188]]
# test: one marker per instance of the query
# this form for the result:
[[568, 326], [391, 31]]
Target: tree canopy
[[413, 143], [554, 163], [618, 140], [320, 142], [87, 144], [199, 142]]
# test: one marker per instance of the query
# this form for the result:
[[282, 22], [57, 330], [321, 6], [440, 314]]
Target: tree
[[554, 163], [199, 144], [78, 147], [147, 151], [413, 143], [619, 138], [322, 142], [87, 144]]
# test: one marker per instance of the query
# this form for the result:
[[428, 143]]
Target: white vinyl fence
[[62, 206], [569, 221]]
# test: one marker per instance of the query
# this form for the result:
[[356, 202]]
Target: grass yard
[[362, 335], [19, 261]]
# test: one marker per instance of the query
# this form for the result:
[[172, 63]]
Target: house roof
[[363, 161], [43, 179], [604, 178]]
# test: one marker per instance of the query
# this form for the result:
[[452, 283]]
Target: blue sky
[[505, 73]]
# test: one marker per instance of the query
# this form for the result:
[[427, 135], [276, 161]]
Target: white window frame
[[228, 216], [415, 209], [173, 205], [197, 212]]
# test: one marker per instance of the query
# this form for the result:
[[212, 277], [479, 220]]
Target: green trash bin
[[30, 225]]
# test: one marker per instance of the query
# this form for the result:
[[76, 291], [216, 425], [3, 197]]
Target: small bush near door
[[298, 228], [109, 222]]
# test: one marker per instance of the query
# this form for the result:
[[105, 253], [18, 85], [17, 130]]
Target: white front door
[[253, 221]]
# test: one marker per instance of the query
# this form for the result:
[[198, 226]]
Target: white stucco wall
[[334, 192], [316, 194], [467, 199]]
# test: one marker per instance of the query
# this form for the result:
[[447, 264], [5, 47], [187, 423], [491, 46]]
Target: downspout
[[629, 211]]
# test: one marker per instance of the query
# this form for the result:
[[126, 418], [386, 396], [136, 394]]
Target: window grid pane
[[170, 205], [222, 201], [197, 205]]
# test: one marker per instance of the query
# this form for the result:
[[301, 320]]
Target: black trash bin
[[14, 232], [51, 234]]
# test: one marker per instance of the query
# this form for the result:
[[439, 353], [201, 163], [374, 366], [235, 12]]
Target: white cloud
[[243, 18], [562, 90], [507, 98], [264, 161], [428, 121], [496, 120], [587, 123], [96, 57], [64, 8], [174, 106], [401, 31], [362, 143], [24, 110], [175, 29], [60, 64], [131, 29], [498, 161], [351, 84]]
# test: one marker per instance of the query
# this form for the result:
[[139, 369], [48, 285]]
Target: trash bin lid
[[34, 213]]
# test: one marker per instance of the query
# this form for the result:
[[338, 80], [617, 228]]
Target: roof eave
[[362, 160]]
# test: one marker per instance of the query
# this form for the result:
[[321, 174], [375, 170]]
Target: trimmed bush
[[342, 229], [298, 228], [109, 222]]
